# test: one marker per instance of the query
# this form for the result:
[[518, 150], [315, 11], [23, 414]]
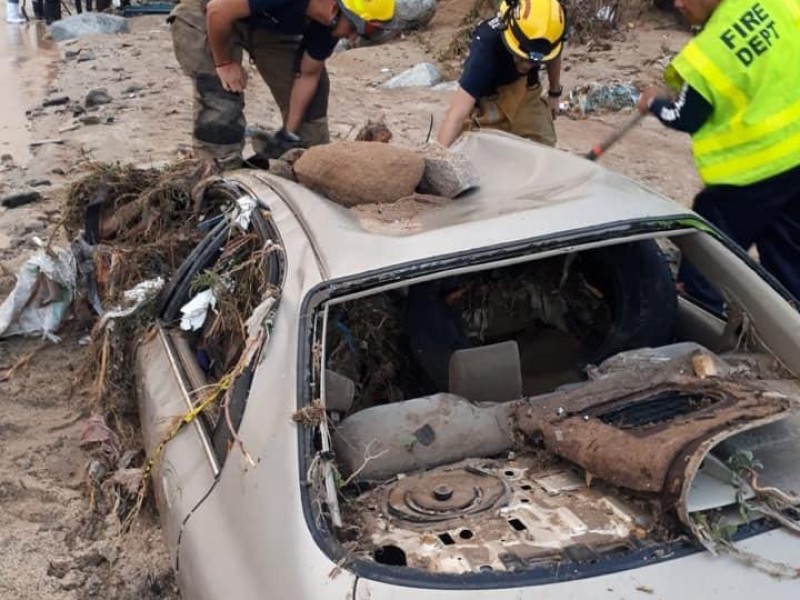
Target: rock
[[96, 98], [281, 168], [413, 14], [72, 581], [58, 568], [353, 173], [87, 23], [90, 119], [55, 101], [21, 199], [447, 173], [375, 131], [92, 558], [132, 89], [38, 182], [291, 156], [446, 86], [85, 55], [422, 75]]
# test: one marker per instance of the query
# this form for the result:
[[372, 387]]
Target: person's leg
[[779, 246], [533, 119], [52, 11], [743, 213], [13, 13], [219, 122], [276, 57]]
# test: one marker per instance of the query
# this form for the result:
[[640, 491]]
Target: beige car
[[502, 396]]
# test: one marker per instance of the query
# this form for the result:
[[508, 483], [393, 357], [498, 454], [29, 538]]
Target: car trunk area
[[545, 415]]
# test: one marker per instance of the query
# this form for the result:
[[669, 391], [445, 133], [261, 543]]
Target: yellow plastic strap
[[741, 135], [728, 170]]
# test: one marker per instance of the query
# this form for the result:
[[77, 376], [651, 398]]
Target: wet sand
[[27, 68]]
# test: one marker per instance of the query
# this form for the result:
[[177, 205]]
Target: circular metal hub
[[442, 495]]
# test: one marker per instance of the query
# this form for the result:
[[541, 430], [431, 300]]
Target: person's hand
[[646, 98], [232, 76], [554, 102]]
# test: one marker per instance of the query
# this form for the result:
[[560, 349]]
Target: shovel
[[598, 150]]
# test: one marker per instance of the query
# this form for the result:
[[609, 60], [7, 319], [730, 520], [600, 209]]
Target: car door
[[194, 373]]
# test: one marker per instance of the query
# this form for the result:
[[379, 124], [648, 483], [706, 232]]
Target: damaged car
[[504, 395]]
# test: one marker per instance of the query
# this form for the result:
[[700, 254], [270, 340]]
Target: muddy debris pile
[[131, 229]]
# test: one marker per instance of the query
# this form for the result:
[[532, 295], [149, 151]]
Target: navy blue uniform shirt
[[489, 63], [289, 17]]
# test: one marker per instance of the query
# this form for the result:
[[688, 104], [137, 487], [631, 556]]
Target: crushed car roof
[[527, 191]]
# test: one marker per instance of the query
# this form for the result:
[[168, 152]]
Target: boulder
[[413, 14], [447, 173], [353, 173], [87, 23], [422, 75]]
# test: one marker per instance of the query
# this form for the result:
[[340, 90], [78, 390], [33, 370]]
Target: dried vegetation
[[132, 225]]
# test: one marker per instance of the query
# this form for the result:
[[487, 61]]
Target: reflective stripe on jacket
[[746, 63]]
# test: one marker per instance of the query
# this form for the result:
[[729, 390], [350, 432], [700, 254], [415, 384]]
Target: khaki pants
[[518, 109], [219, 122]]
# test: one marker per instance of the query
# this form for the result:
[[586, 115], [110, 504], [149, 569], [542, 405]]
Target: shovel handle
[[600, 149]]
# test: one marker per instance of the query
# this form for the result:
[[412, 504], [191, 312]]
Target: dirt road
[[55, 545]]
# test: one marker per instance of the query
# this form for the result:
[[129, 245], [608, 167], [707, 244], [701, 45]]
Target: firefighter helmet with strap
[[534, 29]]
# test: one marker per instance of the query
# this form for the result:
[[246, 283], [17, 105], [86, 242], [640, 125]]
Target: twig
[[367, 459], [22, 361]]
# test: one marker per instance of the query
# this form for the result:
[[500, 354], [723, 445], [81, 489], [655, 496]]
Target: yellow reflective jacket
[[746, 64]]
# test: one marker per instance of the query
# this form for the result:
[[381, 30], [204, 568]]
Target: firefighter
[[499, 87], [288, 40], [738, 95]]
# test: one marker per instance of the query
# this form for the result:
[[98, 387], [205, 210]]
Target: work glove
[[273, 145]]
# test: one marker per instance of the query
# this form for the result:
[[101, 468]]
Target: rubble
[[447, 173], [87, 23], [424, 74], [414, 14], [598, 97]]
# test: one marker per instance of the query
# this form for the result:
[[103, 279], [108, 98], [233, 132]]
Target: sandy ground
[[54, 544]]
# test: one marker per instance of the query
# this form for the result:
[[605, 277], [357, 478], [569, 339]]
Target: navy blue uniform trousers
[[765, 214]]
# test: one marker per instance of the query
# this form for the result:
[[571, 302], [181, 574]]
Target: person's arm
[[303, 90], [220, 16], [554, 83], [687, 113], [461, 105]]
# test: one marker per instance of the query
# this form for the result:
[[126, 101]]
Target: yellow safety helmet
[[535, 29], [368, 16]]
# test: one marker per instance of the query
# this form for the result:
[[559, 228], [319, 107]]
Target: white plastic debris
[[196, 310], [42, 295], [246, 206], [136, 297]]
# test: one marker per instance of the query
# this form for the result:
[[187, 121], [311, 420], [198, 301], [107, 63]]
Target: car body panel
[[544, 193], [700, 575]]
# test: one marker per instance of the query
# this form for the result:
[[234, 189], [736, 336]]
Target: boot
[[12, 13]]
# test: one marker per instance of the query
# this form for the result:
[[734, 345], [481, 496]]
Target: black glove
[[291, 140]]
